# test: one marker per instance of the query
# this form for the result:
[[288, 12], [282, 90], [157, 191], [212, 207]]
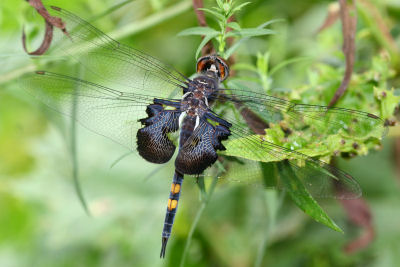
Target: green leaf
[[250, 32], [388, 101], [265, 24], [220, 4], [202, 187], [198, 31], [227, 9], [269, 173], [234, 25], [236, 45], [214, 13], [205, 40], [239, 7], [302, 198]]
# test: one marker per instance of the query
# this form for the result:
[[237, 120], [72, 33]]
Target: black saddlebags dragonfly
[[142, 102]]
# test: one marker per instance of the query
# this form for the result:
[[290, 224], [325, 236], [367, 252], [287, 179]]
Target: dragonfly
[[150, 107]]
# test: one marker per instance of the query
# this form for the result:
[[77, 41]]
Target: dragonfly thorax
[[194, 103]]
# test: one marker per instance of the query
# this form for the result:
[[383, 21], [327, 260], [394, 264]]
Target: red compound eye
[[205, 63], [201, 65]]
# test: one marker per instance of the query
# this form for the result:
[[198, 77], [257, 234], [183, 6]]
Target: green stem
[[273, 203], [197, 218]]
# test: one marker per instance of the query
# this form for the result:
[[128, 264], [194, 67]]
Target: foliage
[[222, 13], [362, 92], [43, 223]]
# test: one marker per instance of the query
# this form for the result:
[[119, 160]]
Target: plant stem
[[274, 202], [203, 205]]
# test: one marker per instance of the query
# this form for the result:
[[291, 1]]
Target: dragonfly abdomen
[[171, 210], [186, 129]]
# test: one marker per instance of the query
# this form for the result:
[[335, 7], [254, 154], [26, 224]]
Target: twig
[[201, 19], [359, 213], [331, 17], [50, 21], [348, 30]]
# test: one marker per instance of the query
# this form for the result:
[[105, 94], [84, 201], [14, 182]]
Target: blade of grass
[[120, 158], [74, 157]]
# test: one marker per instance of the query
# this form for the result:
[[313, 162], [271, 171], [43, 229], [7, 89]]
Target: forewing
[[153, 141], [123, 67], [323, 120], [319, 178], [106, 111]]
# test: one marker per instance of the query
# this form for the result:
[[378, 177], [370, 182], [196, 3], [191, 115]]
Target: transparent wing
[[319, 178], [324, 120], [122, 66], [106, 111]]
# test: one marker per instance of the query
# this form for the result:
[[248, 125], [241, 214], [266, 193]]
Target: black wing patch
[[153, 143], [199, 151]]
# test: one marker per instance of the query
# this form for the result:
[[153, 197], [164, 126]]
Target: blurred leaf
[[388, 101], [270, 174], [239, 7], [236, 44], [199, 31], [205, 40], [234, 25], [250, 32], [214, 13]]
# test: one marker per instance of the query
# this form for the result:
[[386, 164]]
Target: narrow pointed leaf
[[302, 198], [214, 13], [250, 32], [205, 40], [198, 31]]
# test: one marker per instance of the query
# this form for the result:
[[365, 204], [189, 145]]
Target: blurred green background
[[42, 222]]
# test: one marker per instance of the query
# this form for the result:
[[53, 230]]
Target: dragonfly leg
[[215, 118]]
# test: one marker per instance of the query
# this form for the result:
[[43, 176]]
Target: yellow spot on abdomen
[[169, 204], [175, 188], [172, 203]]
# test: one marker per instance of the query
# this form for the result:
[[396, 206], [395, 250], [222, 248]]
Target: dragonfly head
[[213, 65]]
